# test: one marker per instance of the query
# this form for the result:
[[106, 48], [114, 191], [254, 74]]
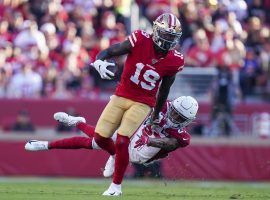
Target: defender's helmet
[[166, 31], [182, 111]]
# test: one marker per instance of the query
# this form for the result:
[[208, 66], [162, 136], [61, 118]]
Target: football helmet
[[166, 31], [182, 111]]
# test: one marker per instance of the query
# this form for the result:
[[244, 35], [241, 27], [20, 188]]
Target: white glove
[[101, 67]]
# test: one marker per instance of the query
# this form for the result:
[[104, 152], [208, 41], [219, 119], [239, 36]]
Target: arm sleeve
[[177, 63], [183, 137]]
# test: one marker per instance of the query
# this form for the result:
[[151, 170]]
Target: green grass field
[[89, 189]]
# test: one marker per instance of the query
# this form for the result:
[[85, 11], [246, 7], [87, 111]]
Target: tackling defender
[[149, 69], [148, 144]]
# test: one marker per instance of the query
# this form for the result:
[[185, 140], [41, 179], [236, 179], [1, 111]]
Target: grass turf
[[89, 189]]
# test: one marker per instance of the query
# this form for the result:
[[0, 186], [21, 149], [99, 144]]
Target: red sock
[[106, 144], [87, 129], [72, 143], [121, 158]]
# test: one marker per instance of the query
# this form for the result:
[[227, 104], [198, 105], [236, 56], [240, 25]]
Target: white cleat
[[68, 119], [109, 167], [35, 145], [113, 190]]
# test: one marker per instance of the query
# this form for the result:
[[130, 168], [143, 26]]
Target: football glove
[[143, 140], [101, 67]]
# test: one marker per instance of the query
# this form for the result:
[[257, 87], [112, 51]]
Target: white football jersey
[[144, 153]]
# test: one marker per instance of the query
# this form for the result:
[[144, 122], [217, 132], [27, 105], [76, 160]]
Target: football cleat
[[68, 119], [109, 167], [35, 145], [113, 190]]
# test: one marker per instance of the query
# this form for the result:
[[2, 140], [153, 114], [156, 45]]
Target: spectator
[[60, 91], [3, 82], [222, 95], [23, 122], [49, 31], [4, 33], [123, 9], [265, 54], [255, 26], [31, 36], [108, 23], [26, 83], [157, 7], [88, 35], [239, 7], [218, 39], [200, 55], [249, 74], [234, 24], [235, 50], [256, 9]]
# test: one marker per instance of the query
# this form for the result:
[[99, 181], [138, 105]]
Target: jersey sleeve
[[177, 63], [183, 137], [137, 37]]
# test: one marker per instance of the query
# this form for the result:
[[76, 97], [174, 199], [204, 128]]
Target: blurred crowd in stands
[[46, 46]]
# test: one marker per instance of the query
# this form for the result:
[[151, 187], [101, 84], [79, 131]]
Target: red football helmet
[[166, 31]]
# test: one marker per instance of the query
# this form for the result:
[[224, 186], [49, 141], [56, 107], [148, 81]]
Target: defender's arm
[[168, 144]]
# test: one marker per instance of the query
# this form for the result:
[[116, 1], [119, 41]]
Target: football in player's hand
[[111, 68]]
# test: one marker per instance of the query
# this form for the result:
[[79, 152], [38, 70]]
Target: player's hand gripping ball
[[106, 69], [112, 68]]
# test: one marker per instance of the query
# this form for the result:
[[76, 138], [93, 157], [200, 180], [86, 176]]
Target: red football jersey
[[144, 69]]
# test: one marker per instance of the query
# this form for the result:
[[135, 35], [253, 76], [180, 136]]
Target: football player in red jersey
[[148, 144], [150, 61]]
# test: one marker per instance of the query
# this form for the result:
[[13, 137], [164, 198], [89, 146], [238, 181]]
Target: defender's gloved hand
[[144, 140], [101, 67]]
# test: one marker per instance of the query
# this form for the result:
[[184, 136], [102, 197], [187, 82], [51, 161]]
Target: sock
[[106, 144], [71, 143], [87, 129], [121, 158]]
